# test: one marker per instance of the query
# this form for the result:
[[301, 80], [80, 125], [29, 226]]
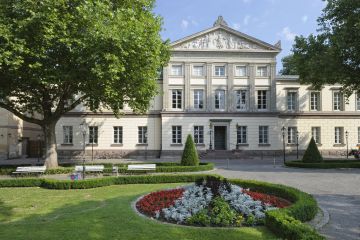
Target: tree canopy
[[289, 67], [333, 55], [55, 55]]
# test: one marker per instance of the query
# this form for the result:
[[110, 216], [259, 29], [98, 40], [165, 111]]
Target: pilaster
[[165, 88], [187, 99], [209, 103], [252, 100], [230, 84]]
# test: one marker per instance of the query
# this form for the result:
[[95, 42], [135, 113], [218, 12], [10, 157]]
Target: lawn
[[98, 213]]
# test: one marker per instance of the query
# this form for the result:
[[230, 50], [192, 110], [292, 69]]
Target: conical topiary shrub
[[312, 153], [189, 156]]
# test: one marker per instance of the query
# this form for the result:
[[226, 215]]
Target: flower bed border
[[326, 164], [285, 223]]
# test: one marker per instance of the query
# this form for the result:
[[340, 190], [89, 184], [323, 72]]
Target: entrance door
[[220, 137]]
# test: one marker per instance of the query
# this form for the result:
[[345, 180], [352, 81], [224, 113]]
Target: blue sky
[[267, 20]]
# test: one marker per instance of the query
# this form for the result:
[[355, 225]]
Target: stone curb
[[321, 219]]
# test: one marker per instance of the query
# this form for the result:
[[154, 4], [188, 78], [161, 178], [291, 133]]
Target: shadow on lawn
[[5, 211], [110, 219]]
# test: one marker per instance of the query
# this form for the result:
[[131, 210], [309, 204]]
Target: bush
[[326, 164], [21, 182], [221, 213], [312, 153], [189, 156]]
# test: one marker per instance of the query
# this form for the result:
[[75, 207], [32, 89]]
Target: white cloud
[[246, 20], [236, 26], [184, 24], [286, 32], [304, 18]]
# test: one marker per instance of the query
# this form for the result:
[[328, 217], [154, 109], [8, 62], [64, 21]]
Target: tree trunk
[[51, 160]]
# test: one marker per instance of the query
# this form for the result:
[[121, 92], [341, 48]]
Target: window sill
[[220, 77], [241, 77], [67, 144], [264, 145], [176, 145], [242, 145], [141, 144], [291, 144], [339, 145], [176, 76], [318, 144], [116, 145], [92, 144], [263, 77]]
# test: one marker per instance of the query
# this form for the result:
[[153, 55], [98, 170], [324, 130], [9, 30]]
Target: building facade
[[221, 87]]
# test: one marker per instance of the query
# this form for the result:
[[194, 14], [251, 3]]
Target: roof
[[287, 78]]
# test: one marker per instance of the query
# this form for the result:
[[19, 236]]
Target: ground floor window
[[315, 133], [292, 133], [68, 134], [142, 135], [199, 134], [339, 135], [241, 134], [93, 134], [176, 134], [118, 135], [263, 134]]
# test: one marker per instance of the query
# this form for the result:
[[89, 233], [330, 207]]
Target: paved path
[[336, 190]]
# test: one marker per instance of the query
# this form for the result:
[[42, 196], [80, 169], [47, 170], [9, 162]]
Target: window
[[358, 101], [220, 71], [198, 71], [261, 99], [315, 133], [220, 99], [142, 135], [68, 134], [240, 71], [315, 101], [339, 135], [263, 134], [118, 135], [176, 70], [337, 101], [160, 73], [93, 135], [176, 99], [198, 99], [241, 99], [291, 101], [292, 132], [241, 135], [199, 134], [261, 71], [176, 134]]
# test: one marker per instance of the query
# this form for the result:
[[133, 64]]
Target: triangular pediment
[[222, 38]]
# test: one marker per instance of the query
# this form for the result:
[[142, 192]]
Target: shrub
[[21, 182], [189, 156], [326, 164], [312, 153], [221, 213], [201, 218]]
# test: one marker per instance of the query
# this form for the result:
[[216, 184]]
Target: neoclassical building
[[221, 87]]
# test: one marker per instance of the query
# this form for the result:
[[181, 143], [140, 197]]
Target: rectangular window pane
[[220, 71], [199, 134], [291, 101], [176, 134], [339, 135], [337, 101], [241, 99], [263, 134], [240, 71], [315, 101], [198, 71], [220, 99], [262, 99], [198, 99], [176, 70], [118, 135], [315, 133], [261, 72], [93, 135], [68, 134], [177, 99], [142, 135], [241, 135], [292, 132]]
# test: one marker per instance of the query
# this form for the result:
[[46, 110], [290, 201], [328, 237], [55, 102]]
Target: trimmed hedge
[[285, 223], [312, 153], [326, 164], [189, 156]]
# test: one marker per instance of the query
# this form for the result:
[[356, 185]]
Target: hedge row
[[285, 223], [326, 164]]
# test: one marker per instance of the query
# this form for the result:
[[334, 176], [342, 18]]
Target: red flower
[[156, 201], [268, 199]]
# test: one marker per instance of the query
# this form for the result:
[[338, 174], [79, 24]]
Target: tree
[[189, 156], [55, 55], [312, 153], [289, 67], [332, 56]]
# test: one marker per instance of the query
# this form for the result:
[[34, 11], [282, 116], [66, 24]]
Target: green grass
[[99, 213]]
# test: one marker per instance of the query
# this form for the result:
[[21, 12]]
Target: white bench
[[90, 168], [141, 167], [30, 169]]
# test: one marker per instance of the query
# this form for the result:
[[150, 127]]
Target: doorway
[[220, 137]]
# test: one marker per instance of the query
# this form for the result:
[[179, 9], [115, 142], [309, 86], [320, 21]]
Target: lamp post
[[210, 132], [39, 149], [83, 130], [297, 145], [347, 145], [283, 136]]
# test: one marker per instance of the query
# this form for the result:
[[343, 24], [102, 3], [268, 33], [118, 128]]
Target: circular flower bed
[[210, 202]]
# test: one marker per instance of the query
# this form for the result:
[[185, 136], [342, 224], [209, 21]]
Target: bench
[[90, 168], [141, 167], [30, 169]]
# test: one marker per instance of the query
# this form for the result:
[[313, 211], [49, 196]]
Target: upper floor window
[[176, 99], [220, 99], [198, 71], [315, 101], [241, 99], [339, 135], [291, 101], [292, 135], [338, 101], [199, 134], [263, 134], [160, 73], [220, 71], [142, 135], [93, 134], [241, 135], [68, 134], [240, 71], [176, 70], [176, 134], [261, 99], [118, 135], [261, 71], [198, 99], [316, 134]]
